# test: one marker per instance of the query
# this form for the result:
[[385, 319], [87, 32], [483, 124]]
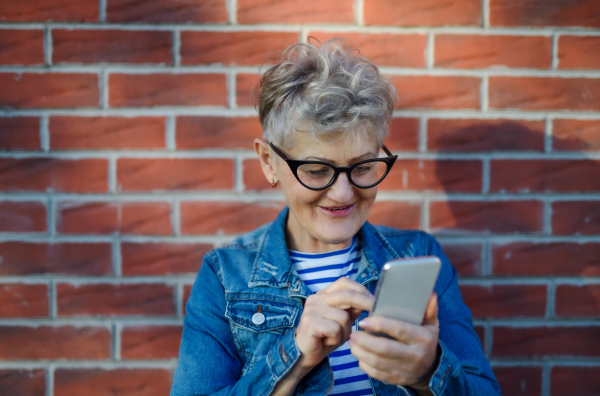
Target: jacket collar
[[273, 267]]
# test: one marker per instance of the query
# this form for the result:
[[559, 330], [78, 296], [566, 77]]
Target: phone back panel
[[405, 287]]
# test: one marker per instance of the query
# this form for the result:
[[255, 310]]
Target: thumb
[[431, 312]]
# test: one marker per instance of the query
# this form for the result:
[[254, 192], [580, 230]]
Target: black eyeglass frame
[[295, 164]]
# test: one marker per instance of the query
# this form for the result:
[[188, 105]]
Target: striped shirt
[[317, 271]]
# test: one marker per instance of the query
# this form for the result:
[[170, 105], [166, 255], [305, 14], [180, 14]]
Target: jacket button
[[258, 318]]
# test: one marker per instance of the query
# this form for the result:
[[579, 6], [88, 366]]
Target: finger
[[380, 346], [344, 283], [349, 299], [340, 316], [328, 331], [405, 332], [431, 312]]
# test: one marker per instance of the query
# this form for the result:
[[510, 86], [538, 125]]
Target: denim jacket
[[225, 352]]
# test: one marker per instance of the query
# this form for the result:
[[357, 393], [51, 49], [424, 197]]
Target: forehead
[[337, 147]]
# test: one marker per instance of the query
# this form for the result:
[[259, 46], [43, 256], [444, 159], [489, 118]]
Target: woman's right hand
[[326, 322]]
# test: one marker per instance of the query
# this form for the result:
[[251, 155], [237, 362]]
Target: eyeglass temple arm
[[385, 149]]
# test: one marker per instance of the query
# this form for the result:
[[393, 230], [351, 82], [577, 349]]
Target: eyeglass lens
[[363, 175]]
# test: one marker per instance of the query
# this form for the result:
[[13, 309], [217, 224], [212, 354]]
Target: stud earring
[[273, 183]]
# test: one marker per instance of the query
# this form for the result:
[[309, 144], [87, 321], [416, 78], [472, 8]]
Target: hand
[[327, 319], [408, 357]]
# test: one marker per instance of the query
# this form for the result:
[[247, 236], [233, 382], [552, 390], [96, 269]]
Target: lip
[[337, 213]]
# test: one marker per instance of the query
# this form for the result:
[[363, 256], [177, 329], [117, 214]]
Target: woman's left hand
[[408, 357]]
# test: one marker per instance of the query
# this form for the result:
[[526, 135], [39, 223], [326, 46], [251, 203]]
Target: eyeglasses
[[318, 175]]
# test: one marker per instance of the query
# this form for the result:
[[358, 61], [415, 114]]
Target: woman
[[279, 310]]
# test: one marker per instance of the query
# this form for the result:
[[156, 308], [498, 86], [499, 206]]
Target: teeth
[[334, 209]]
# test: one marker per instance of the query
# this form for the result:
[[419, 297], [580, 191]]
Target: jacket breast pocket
[[257, 323]]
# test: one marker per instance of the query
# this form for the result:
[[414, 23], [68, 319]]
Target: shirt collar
[[273, 267]]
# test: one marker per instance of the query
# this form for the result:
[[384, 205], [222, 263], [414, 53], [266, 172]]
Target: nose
[[341, 190]]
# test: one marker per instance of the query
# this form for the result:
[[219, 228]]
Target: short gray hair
[[324, 89]]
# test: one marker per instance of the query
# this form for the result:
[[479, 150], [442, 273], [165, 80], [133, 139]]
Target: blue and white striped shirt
[[317, 271]]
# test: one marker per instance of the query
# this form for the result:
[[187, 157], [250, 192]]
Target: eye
[[315, 171], [363, 169]]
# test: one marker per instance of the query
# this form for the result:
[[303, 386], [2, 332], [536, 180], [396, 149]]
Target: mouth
[[337, 211]]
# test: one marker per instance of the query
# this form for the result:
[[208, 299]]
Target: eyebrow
[[368, 155]]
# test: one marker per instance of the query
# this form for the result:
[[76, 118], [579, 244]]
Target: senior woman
[[282, 310]]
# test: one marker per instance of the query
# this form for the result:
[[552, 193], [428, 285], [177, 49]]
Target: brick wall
[[126, 133]]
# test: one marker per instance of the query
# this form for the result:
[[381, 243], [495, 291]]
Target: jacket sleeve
[[463, 369], [209, 362]]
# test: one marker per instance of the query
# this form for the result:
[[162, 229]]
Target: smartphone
[[404, 288]]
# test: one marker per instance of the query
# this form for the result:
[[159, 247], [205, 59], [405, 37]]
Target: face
[[325, 220]]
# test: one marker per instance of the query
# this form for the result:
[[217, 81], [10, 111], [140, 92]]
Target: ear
[[266, 160]]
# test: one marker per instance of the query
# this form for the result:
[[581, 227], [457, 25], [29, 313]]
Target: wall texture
[[126, 132]]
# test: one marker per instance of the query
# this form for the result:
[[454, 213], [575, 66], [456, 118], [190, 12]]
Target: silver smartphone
[[404, 288]]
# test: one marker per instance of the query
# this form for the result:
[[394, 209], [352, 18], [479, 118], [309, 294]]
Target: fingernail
[[364, 323]]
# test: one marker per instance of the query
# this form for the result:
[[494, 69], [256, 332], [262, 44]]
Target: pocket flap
[[261, 315]]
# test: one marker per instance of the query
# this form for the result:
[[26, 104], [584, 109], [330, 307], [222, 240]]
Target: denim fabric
[[224, 351]]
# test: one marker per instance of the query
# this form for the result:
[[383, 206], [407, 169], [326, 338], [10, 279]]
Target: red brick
[[111, 46], [150, 342], [52, 10], [467, 258], [578, 301], [226, 217], [21, 300], [217, 132], [120, 381], [577, 135], [111, 300], [404, 134], [51, 174], [546, 259], [144, 174], [519, 380], [245, 85], [545, 175], [576, 217], [553, 341], [434, 175], [384, 49], [295, 11], [467, 51], [20, 133], [106, 133], [87, 217], [48, 90], [54, 342], [20, 216], [187, 290], [396, 214], [22, 382], [437, 92], [166, 11], [470, 135], [505, 217], [150, 218], [585, 13], [232, 48], [423, 13], [162, 89], [579, 52], [544, 93], [162, 258], [574, 380], [517, 300], [21, 47], [24, 258]]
